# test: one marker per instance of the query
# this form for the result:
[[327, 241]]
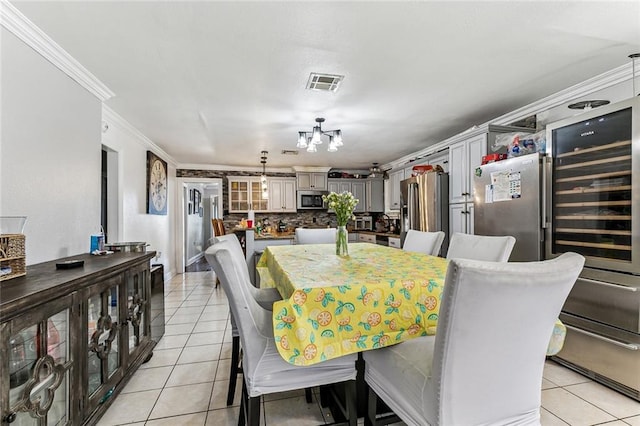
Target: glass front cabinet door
[[104, 325], [37, 365], [138, 314]]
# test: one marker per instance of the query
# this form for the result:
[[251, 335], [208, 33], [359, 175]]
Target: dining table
[[334, 305]]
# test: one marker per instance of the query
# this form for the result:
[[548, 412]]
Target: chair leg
[[370, 417], [253, 412], [233, 373], [243, 405], [308, 395], [351, 404], [217, 282]]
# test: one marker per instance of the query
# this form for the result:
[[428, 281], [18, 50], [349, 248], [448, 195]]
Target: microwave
[[308, 200]]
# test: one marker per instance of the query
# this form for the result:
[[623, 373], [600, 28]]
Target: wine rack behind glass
[[592, 187]]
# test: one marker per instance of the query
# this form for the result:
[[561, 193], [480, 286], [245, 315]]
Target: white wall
[[50, 153], [134, 223]]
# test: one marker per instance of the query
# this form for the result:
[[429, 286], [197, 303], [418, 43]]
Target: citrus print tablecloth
[[335, 306]]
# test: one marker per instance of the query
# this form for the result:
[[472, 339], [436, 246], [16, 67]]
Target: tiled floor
[[185, 383]]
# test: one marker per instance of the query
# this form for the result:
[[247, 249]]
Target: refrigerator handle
[[546, 191], [410, 206]]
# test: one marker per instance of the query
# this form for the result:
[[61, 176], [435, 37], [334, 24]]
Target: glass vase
[[342, 241]]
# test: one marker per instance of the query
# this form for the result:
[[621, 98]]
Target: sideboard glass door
[[39, 363]]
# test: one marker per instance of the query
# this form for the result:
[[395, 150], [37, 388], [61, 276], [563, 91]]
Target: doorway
[[200, 200]]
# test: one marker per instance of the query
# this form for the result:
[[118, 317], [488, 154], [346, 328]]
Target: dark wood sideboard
[[71, 338]]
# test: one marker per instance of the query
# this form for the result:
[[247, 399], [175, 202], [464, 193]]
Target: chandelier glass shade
[[310, 140]]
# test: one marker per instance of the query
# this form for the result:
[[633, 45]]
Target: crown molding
[[111, 118], [605, 80], [228, 168], [20, 26]]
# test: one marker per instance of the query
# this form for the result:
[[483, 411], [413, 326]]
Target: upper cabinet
[[464, 157], [375, 195], [356, 186], [245, 193], [393, 186], [313, 181], [282, 194]]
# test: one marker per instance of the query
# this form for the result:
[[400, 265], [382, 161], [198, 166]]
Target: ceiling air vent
[[324, 82], [289, 152]]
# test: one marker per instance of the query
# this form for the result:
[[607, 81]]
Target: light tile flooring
[[185, 383]]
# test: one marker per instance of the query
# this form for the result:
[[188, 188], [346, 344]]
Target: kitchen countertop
[[384, 234]]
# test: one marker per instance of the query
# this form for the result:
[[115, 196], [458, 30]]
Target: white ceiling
[[217, 82]]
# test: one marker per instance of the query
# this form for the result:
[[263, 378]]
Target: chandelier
[[310, 140], [263, 177]]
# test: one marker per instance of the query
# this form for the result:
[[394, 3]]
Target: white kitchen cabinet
[[375, 195], [366, 238], [282, 194], [393, 187], [394, 242], [440, 159], [312, 181], [464, 157], [245, 193], [461, 218]]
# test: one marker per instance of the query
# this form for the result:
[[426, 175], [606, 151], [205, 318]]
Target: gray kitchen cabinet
[[357, 187], [393, 187], [282, 195], [375, 195], [313, 181]]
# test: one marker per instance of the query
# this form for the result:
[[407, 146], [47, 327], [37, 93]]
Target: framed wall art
[[156, 184]]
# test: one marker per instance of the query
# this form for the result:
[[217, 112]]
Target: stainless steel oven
[[309, 200]]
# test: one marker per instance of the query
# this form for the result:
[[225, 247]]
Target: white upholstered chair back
[[253, 322], [423, 242], [315, 236], [480, 247], [494, 327]]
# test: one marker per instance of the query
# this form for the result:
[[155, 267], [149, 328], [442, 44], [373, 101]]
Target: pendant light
[[263, 177]]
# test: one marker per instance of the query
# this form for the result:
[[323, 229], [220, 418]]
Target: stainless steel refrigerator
[[508, 201], [424, 202]]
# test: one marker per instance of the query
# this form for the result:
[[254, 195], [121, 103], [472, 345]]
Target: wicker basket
[[12, 256]]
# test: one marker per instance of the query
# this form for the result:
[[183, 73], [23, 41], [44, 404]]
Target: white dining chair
[[315, 236], [484, 365], [423, 242], [480, 247], [264, 296], [264, 370]]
